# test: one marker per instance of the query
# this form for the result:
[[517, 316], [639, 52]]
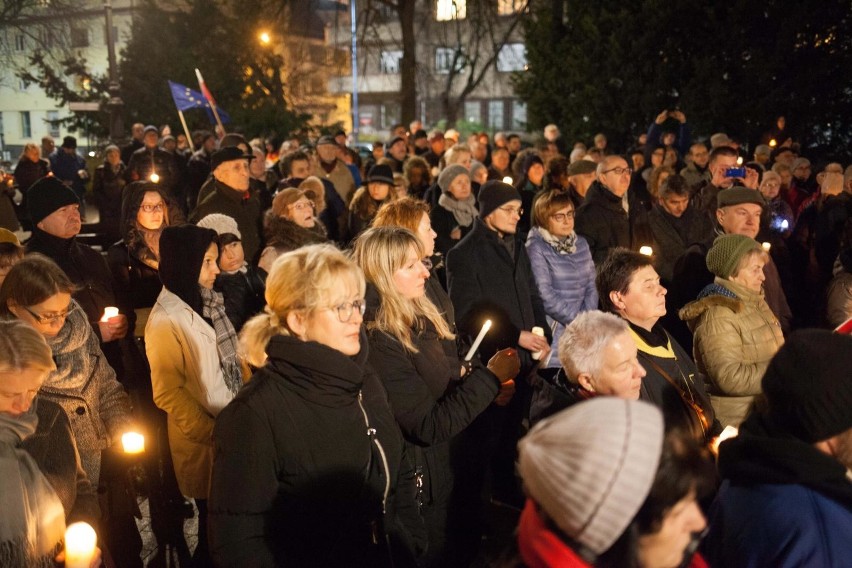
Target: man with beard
[[786, 498]]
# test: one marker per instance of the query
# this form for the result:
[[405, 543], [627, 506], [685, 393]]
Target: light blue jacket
[[566, 283]]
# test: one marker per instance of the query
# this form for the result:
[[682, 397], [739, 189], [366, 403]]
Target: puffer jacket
[[839, 299], [736, 334]]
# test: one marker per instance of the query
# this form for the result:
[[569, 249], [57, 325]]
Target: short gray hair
[[583, 341]]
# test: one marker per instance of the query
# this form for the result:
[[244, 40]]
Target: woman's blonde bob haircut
[[380, 252], [22, 347], [302, 280]]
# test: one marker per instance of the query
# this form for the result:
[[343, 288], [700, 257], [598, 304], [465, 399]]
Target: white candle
[[478, 340], [646, 250], [508, 180], [133, 442], [109, 312], [728, 432], [766, 246], [155, 178], [80, 545]]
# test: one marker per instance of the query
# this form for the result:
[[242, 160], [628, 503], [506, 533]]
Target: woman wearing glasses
[[433, 394], [192, 350], [562, 266], [309, 462], [290, 224], [38, 292]]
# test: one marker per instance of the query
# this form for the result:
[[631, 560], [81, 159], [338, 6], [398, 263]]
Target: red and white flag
[[203, 88]]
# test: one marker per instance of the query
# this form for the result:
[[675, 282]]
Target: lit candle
[[80, 545], [109, 312], [766, 246], [155, 178], [478, 340], [133, 442], [646, 250], [508, 180], [740, 161], [773, 143], [728, 432]]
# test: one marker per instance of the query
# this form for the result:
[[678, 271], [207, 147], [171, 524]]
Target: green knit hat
[[727, 251]]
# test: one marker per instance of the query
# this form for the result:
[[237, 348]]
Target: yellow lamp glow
[[80, 545], [133, 442]]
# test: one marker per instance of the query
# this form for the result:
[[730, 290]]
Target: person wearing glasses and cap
[[610, 216], [309, 467]]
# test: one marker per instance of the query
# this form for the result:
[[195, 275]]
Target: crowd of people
[[353, 360]]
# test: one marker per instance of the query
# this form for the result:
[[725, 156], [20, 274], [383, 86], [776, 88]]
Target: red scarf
[[540, 547]]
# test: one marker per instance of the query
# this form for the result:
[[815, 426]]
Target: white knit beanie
[[221, 224], [590, 467]]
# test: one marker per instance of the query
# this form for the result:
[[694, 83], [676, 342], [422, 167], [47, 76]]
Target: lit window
[[446, 10], [389, 62], [519, 115], [26, 126], [512, 57], [495, 114], [473, 111], [444, 58], [509, 7]]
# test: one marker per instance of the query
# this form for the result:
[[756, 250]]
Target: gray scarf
[[565, 245], [226, 338], [32, 523], [463, 211]]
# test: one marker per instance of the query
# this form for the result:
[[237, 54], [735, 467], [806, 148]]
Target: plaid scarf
[[213, 308], [564, 245]]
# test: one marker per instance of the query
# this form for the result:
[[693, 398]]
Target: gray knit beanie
[[220, 223], [590, 467], [450, 173]]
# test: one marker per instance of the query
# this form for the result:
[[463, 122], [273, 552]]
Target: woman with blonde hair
[[414, 350], [43, 483], [309, 465]]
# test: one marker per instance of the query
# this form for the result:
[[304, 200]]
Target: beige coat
[[340, 177], [188, 385], [734, 340]]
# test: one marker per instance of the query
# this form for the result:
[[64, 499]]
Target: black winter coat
[[430, 403], [244, 295], [242, 207], [671, 243], [486, 282], [108, 185], [554, 394], [606, 225], [304, 457]]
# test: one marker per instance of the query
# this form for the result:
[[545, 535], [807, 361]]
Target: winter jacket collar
[[656, 342], [322, 375], [493, 239], [602, 196], [763, 453], [230, 193], [52, 246]]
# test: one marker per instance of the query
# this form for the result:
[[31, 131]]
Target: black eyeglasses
[[562, 217], [50, 319], [151, 208], [346, 309], [619, 171]]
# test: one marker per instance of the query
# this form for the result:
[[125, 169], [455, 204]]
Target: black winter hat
[[69, 142], [808, 385], [531, 159], [494, 194], [380, 173], [182, 250], [227, 155], [46, 196]]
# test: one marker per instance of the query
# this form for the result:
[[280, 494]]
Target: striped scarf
[[213, 308]]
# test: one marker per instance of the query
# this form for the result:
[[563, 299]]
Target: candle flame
[[133, 442]]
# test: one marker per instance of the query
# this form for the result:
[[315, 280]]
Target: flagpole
[[186, 130], [210, 100]]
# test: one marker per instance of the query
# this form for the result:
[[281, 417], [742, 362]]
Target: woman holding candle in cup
[[310, 467], [43, 483], [433, 394], [192, 350]]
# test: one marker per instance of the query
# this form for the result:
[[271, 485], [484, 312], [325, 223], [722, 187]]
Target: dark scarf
[[657, 337], [763, 453], [213, 309], [32, 523]]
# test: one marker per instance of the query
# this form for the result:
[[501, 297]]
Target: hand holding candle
[[478, 340], [80, 545], [112, 325], [766, 246], [109, 312]]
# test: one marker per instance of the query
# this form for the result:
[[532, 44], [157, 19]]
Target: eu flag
[[186, 98]]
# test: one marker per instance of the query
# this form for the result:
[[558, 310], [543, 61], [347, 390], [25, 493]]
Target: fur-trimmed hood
[[696, 309]]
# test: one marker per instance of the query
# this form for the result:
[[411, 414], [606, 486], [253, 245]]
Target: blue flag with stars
[[186, 98]]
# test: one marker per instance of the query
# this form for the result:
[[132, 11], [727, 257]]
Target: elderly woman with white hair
[[598, 357], [453, 216]]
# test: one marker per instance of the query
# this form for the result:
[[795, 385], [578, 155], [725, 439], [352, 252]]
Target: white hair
[[583, 341]]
